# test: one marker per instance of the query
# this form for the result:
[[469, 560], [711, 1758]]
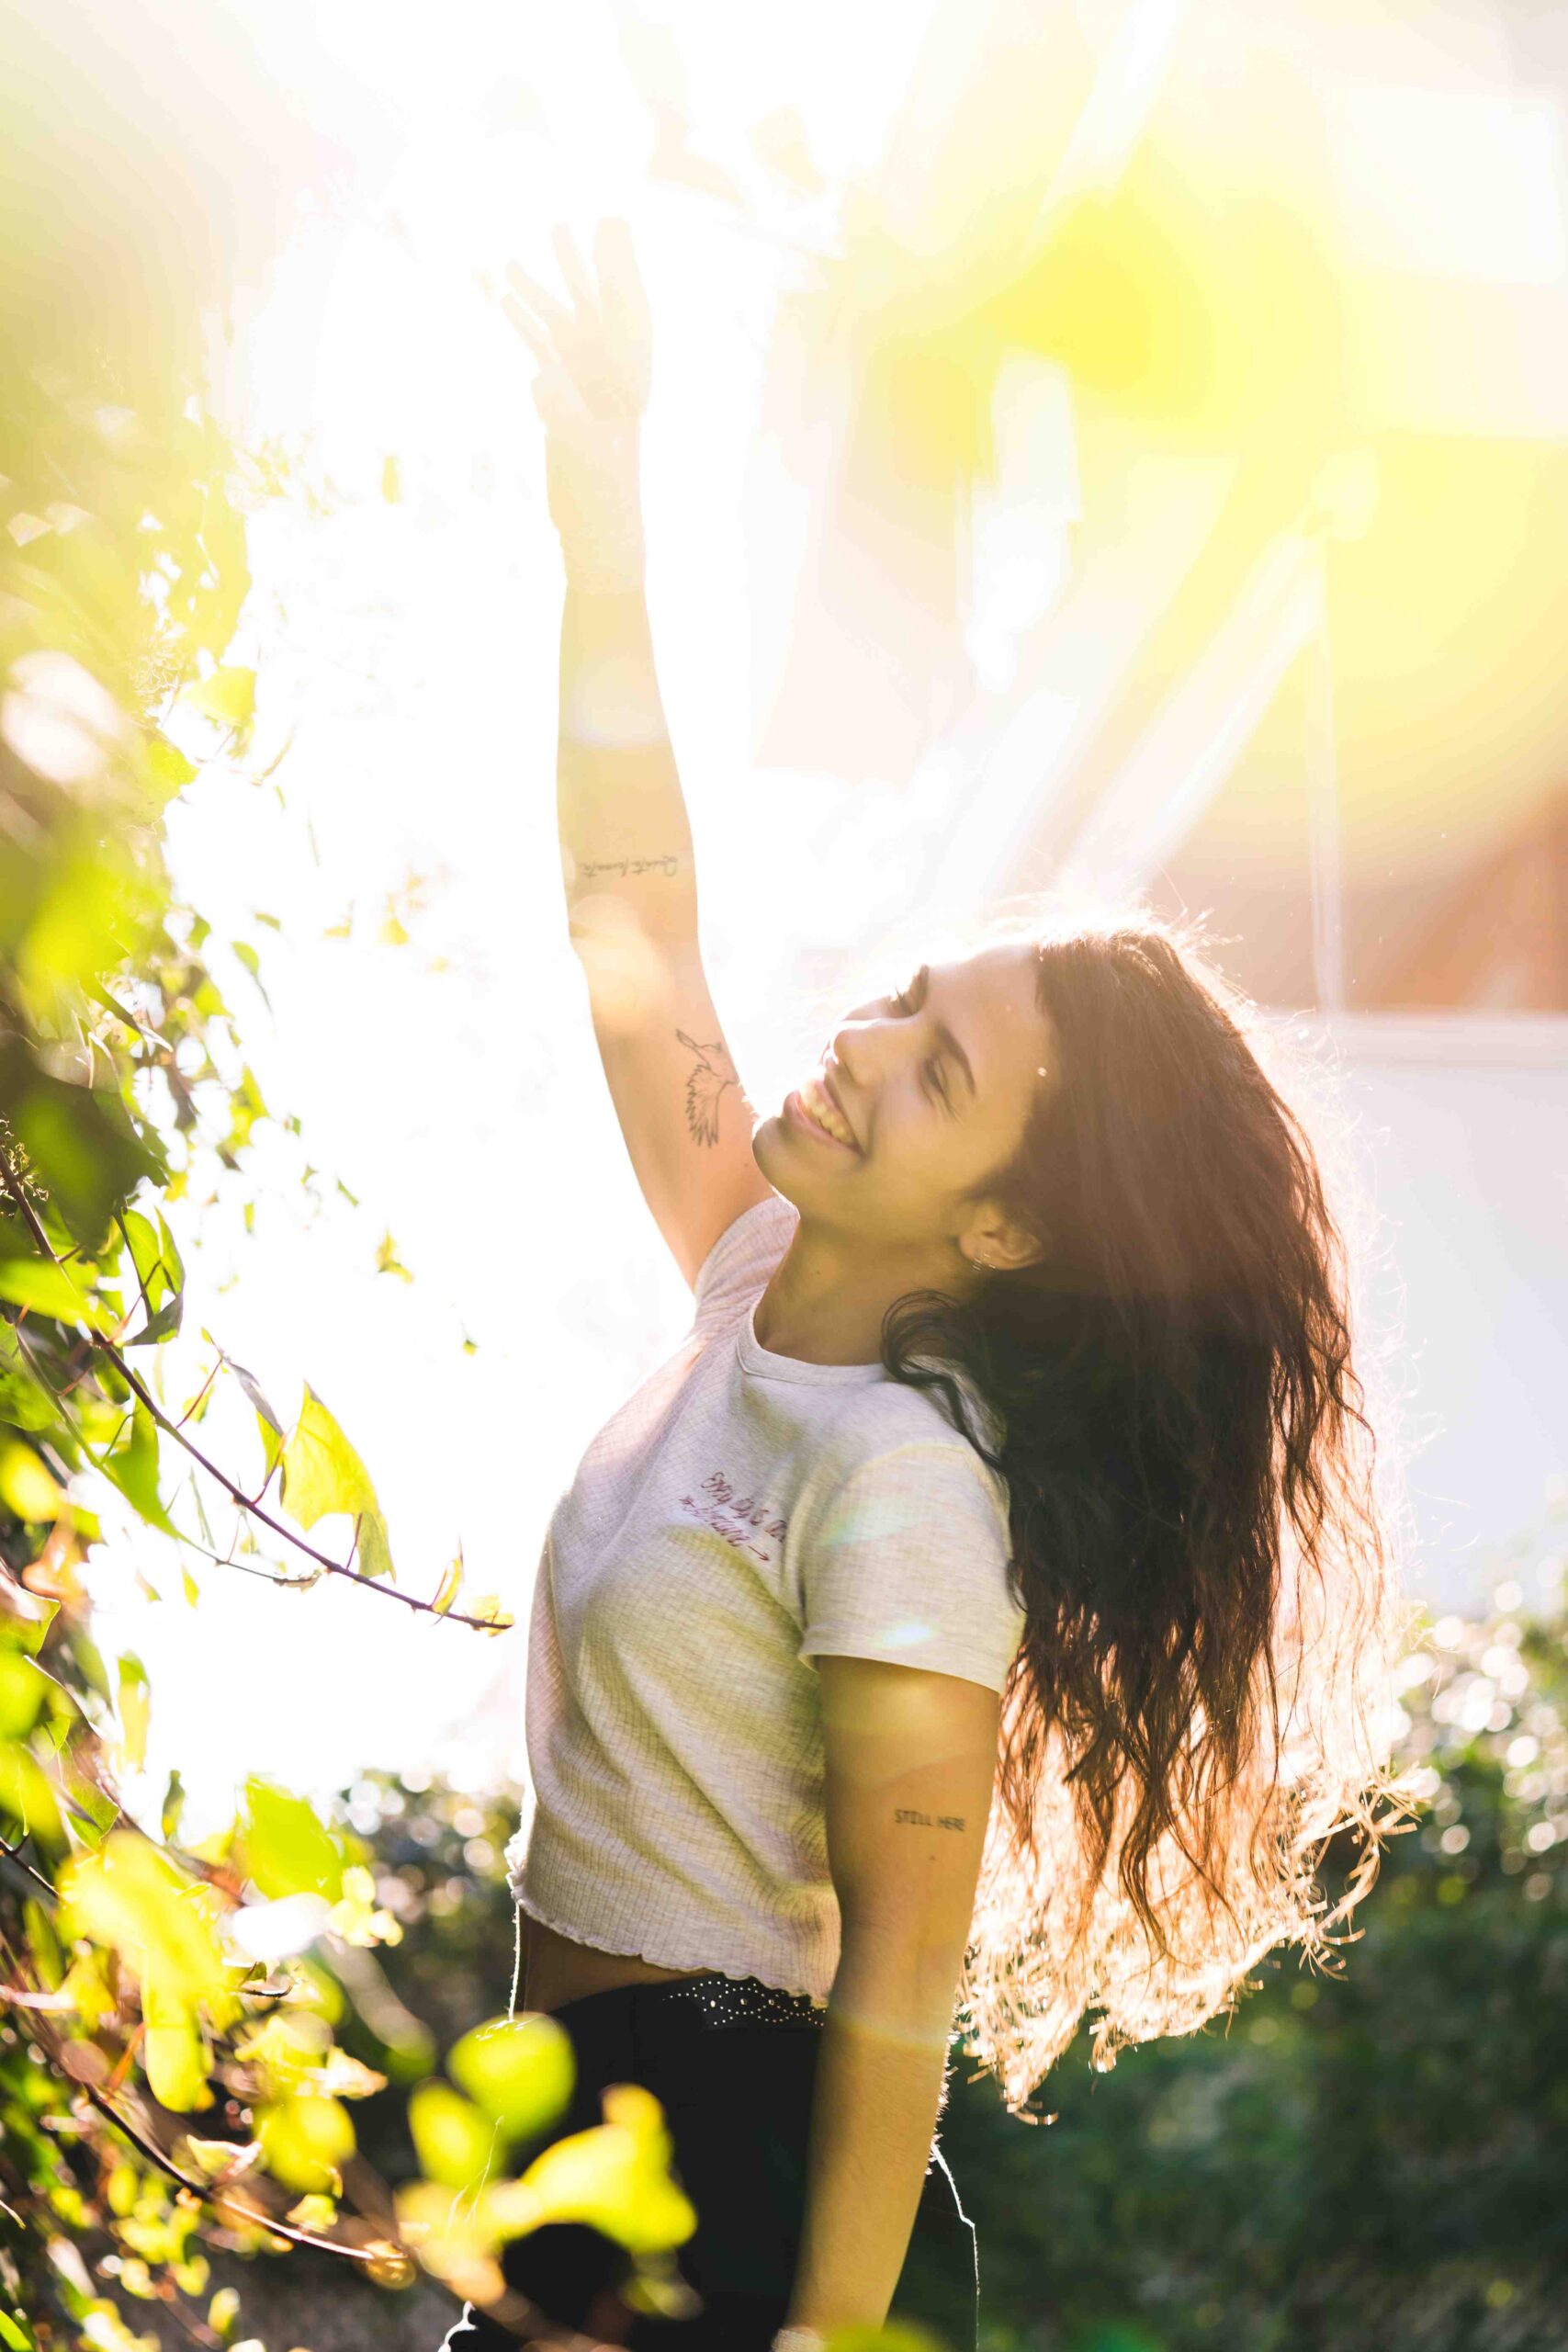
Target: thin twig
[[139, 1389]]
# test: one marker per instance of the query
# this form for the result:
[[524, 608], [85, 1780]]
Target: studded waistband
[[721, 2001]]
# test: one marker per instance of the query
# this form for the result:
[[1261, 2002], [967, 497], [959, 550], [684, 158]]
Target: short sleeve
[[909, 1562], [736, 1268]]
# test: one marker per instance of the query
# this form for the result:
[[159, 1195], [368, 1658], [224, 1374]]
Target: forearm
[[624, 834], [878, 2091]]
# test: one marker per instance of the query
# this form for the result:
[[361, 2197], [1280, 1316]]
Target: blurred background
[[1118, 443]]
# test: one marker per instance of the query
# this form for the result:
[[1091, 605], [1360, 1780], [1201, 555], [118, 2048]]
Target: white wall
[[1460, 1134]]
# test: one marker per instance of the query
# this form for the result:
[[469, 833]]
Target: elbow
[[898, 1978]]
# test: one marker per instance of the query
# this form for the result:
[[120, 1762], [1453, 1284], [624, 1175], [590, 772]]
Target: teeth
[[819, 1102]]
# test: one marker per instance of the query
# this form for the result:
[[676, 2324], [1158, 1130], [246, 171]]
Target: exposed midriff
[[556, 1970]]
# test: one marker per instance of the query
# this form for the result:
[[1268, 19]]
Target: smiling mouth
[[820, 1115]]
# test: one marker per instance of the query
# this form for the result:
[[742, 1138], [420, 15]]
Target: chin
[[769, 1149]]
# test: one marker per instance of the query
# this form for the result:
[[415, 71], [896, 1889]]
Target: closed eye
[[903, 1001]]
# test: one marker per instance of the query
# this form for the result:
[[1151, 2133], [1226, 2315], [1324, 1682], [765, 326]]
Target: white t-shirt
[[742, 1514]]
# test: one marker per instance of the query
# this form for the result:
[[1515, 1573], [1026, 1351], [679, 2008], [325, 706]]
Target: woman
[[1014, 1451]]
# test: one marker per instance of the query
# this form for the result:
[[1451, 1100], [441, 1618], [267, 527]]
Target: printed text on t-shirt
[[744, 1521]]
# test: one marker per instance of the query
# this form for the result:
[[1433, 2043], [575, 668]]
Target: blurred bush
[[1376, 2159]]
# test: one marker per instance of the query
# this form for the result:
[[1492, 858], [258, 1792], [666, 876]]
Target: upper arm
[[682, 1111], [911, 1761]]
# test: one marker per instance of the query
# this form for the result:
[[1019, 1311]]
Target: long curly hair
[[1200, 1698]]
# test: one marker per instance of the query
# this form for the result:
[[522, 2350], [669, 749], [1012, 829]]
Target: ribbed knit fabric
[[742, 1514]]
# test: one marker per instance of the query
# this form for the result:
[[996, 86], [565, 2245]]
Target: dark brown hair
[[1198, 1699]]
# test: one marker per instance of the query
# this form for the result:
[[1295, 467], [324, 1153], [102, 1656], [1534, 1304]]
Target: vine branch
[[139, 1389]]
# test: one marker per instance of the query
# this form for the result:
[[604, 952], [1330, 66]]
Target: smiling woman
[[988, 1599]]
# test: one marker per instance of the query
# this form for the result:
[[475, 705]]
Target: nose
[[854, 1047]]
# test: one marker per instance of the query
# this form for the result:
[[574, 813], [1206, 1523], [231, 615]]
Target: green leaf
[[44, 1945], [171, 1256], [323, 1474], [26, 1632], [288, 1849], [27, 1485], [172, 1807], [47, 1289], [160, 1326], [519, 2070], [146, 1256], [28, 1796], [159, 1274], [229, 696], [23, 1688], [135, 1898], [452, 2140], [135, 1708], [25, 1401], [270, 1425], [15, 2336], [247, 956], [133, 1468], [613, 2176], [167, 768], [305, 2142]]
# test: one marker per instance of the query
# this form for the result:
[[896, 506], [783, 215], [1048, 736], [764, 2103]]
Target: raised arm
[[626, 855]]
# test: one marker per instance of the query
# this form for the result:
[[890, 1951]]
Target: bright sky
[[407, 651], [452, 1082]]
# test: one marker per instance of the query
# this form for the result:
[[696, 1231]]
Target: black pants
[[735, 2091]]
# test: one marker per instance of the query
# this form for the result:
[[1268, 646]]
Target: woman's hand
[[595, 355]]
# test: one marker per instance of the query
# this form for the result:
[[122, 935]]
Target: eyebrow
[[946, 1037]]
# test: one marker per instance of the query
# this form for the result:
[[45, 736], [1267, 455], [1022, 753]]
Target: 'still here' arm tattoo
[[927, 1820], [629, 868], [705, 1086]]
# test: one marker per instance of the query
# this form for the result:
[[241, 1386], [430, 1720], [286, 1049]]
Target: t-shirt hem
[[969, 1669], [666, 1956]]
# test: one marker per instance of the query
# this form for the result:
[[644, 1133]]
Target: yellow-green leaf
[[135, 1707], [323, 1474], [520, 2070], [47, 1289], [26, 1486], [452, 2139], [614, 2178], [229, 695], [288, 1849], [133, 1468], [133, 1897], [305, 2142], [174, 2056], [23, 1688], [26, 1794], [166, 769]]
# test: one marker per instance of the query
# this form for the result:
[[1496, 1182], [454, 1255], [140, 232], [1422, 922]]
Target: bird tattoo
[[705, 1086]]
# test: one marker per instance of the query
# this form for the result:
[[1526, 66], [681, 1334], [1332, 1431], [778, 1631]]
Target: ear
[[997, 1243]]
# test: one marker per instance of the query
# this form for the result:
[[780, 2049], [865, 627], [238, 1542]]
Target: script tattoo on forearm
[[927, 1820], [705, 1086], [629, 868]]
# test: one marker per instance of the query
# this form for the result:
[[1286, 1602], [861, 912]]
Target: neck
[[826, 1298]]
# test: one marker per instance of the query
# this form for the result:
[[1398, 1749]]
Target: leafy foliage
[[172, 2083]]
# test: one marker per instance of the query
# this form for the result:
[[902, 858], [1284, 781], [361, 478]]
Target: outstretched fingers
[[538, 298], [623, 294], [574, 270], [532, 333]]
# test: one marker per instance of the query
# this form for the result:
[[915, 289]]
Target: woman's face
[[921, 1099]]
